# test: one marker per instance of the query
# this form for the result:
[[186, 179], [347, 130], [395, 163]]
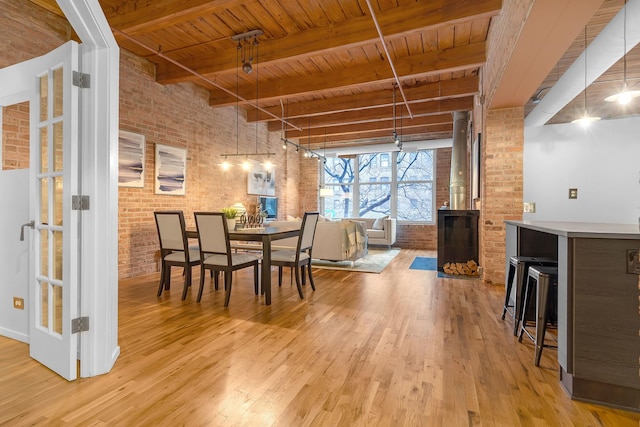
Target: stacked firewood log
[[469, 268]]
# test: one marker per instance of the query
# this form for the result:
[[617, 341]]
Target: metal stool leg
[[507, 297], [542, 310]]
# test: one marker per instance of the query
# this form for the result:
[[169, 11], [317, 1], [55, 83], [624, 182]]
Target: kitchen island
[[598, 304]]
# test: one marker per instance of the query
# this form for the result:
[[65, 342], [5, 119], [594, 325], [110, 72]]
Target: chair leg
[[298, 284], [216, 276], [313, 285], [255, 278], [279, 275], [187, 282], [304, 276], [202, 270], [162, 278], [167, 277], [228, 277]]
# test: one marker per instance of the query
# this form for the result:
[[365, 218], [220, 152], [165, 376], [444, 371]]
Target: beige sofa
[[381, 233], [343, 240]]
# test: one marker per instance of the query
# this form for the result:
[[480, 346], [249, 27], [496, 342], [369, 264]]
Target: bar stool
[[518, 270], [545, 280]]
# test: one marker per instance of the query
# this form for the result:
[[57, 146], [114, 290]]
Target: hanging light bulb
[[585, 120], [268, 165], [246, 165], [625, 96], [225, 164]]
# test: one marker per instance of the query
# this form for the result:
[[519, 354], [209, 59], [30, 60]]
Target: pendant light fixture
[[324, 190], [586, 119], [246, 41], [625, 96]]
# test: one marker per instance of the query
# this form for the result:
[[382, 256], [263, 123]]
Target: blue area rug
[[424, 263]]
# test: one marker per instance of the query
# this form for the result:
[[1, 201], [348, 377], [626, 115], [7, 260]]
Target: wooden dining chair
[[216, 254], [300, 258], [174, 249]]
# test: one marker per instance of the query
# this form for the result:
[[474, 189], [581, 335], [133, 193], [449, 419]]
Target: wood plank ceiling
[[322, 67]]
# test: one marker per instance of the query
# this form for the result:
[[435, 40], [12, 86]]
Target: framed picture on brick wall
[[260, 181], [131, 148], [171, 170]]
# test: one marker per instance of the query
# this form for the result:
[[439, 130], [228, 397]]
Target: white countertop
[[582, 229]]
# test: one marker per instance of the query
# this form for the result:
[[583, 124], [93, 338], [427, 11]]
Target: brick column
[[501, 186]]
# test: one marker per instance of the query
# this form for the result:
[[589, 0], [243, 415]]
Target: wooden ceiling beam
[[401, 125], [455, 88], [468, 57], [397, 22], [377, 114], [133, 18], [382, 133]]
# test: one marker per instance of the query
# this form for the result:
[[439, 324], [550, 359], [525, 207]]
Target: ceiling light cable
[[197, 74], [386, 51]]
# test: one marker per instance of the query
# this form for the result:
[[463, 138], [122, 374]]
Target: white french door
[[53, 291], [52, 279]]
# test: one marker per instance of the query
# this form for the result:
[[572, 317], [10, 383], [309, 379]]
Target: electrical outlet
[[18, 303], [573, 193]]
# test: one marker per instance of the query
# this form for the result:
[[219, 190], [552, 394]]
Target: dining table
[[265, 235]]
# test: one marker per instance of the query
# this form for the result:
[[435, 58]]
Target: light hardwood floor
[[398, 348]]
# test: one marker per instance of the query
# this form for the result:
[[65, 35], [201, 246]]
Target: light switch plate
[[529, 207]]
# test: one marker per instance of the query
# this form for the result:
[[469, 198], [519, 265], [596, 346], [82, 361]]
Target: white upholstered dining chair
[[174, 250], [300, 258], [216, 254]]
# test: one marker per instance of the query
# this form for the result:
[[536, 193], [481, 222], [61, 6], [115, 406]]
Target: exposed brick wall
[[308, 188], [15, 136], [29, 31], [501, 186], [179, 116], [42, 32], [501, 180]]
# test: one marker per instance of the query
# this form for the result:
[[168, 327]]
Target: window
[[414, 186], [384, 160], [338, 175], [404, 191]]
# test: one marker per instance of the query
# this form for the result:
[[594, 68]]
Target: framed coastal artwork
[[260, 181], [131, 147], [171, 170]]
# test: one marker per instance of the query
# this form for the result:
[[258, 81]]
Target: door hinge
[[79, 324], [81, 80], [80, 203]]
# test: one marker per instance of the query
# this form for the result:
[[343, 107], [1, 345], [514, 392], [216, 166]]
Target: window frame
[[393, 183]]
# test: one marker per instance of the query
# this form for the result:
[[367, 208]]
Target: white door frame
[[98, 142], [100, 58]]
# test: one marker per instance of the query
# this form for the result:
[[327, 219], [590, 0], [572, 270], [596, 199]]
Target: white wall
[[14, 254], [602, 161]]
